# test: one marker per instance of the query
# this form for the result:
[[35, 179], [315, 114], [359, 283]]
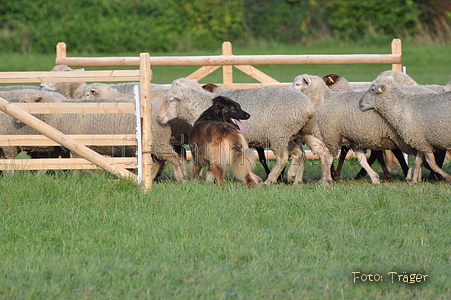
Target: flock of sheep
[[393, 113]]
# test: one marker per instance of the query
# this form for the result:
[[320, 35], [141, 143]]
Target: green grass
[[65, 236], [426, 63]]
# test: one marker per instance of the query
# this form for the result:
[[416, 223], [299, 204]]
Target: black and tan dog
[[216, 142]]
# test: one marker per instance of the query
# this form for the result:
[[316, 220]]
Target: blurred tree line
[[115, 26]]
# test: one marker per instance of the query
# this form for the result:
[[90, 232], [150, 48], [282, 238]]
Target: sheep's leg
[[336, 173], [296, 170], [380, 159], [180, 159], [262, 159], [414, 173], [320, 148], [373, 156], [364, 163], [439, 159], [430, 158], [281, 162], [400, 156], [257, 180], [179, 168]]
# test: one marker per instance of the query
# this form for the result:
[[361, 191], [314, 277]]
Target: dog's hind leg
[[218, 172], [197, 169], [249, 181]]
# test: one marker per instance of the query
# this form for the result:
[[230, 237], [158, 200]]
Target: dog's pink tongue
[[240, 125]]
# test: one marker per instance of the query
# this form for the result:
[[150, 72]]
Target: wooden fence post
[[61, 50], [146, 115], [227, 75], [396, 48]]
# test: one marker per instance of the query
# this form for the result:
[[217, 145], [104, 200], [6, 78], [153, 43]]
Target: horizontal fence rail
[[333, 59]]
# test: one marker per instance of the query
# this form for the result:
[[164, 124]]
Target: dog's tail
[[242, 159]]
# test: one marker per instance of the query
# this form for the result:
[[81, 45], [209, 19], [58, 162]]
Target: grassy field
[[92, 236]]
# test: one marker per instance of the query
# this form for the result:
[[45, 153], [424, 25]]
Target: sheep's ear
[[179, 96], [306, 81], [37, 99], [380, 88], [94, 91]]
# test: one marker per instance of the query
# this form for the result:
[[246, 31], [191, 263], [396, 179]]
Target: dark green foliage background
[[113, 26]]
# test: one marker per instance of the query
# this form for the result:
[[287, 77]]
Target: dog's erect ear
[[219, 101]]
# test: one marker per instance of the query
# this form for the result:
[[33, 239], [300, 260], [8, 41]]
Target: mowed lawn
[[93, 236]]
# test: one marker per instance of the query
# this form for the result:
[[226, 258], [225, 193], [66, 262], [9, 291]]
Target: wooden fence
[[244, 63], [76, 143], [117, 165]]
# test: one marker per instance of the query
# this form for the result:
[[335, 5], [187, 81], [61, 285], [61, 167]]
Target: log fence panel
[[208, 64]]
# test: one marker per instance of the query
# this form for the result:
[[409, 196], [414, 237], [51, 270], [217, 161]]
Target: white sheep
[[447, 87], [279, 117], [186, 81], [388, 159], [10, 125], [422, 120], [127, 87], [405, 80], [104, 91], [71, 90], [342, 123], [163, 135]]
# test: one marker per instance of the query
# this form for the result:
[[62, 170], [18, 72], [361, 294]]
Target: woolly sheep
[[342, 123], [127, 87], [186, 81], [10, 125], [6, 88], [163, 135], [410, 85], [447, 87], [104, 91], [279, 116], [388, 159], [71, 90], [422, 120], [405, 80]]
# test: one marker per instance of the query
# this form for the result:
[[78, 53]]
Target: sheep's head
[[168, 110], [368, 100], [331, 79], [52, 86], [302, 82], [92, 94], [186, 81]]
